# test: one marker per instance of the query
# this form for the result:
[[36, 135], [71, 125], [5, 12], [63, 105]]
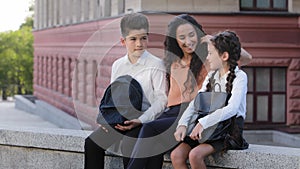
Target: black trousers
[[149, 154], [96, 144]]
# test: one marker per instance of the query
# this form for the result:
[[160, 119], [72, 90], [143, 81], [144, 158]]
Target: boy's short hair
[[133, 21]]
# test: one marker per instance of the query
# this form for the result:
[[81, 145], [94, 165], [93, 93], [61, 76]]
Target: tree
[[16, 60]]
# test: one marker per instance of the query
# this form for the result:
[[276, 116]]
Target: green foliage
[[16, 60]]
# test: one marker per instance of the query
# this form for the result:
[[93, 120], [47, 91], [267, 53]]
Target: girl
[[223, 53]]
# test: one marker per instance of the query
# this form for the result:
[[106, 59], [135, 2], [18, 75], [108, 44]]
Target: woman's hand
[[180, 133], [197, 131], [129, 124]]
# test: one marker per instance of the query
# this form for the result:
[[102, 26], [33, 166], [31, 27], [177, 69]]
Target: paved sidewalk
[[10, 116]]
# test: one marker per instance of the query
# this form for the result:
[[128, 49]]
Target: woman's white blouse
[[236, 104]]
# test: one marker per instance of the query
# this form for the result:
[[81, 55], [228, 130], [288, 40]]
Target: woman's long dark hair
[[174, 53]]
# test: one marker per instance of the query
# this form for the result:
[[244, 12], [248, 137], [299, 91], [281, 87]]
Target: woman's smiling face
[[186, 37]]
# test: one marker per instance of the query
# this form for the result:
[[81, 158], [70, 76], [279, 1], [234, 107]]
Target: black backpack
[[121, 101]]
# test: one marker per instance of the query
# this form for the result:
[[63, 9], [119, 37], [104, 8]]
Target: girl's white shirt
[[236, 104]]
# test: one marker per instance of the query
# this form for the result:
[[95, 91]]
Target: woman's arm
[[245, 58]]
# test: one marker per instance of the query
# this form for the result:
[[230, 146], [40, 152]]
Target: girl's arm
[[236, 104]]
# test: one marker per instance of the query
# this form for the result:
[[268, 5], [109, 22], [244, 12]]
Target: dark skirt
[[218, 145]]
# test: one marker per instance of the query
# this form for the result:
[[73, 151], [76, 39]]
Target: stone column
[[36, 14], [90, 79], [82, 10], [82, 81], [44, 70], [92, 7], [40, 72], [75, 10], [67, 11], [67, 76], [117, 7], [60, 73], [54, 73], [44, 14], [49, 72], [97, 11], [36, 70], [50, 11], [54, 13], [61, 14], [106, 7], [72, 77]]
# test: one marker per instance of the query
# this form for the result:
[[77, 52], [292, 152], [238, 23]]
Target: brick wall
[[72, 64]]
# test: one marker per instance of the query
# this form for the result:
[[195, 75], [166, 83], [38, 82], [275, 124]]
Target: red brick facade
[[72, 64]]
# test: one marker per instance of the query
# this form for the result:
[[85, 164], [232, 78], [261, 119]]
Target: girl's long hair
[[228, 41], [174, 53]]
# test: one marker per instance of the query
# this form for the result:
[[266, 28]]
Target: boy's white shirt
[[236, 104], [149, 71]]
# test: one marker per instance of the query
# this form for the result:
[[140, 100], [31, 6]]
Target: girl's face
[[136, 42], [186, 37], [213, 58]]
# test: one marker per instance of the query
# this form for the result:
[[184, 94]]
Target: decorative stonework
[[295, 106], [295, 64], [294, 119], [295, 92], [294, 78], [270, 62]]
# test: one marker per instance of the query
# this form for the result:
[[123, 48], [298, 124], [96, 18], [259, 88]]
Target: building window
[[264, 5], [266, 97]]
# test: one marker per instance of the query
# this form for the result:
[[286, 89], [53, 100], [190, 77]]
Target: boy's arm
[[160, 97], [113, 73]]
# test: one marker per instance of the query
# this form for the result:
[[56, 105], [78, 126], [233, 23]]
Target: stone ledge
[[63, 148]]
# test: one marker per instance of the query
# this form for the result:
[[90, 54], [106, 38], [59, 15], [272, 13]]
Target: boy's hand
[[180, 133], [129, 124], [197, 131]]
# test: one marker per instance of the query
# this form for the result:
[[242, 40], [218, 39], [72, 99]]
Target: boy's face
[[135, 42]]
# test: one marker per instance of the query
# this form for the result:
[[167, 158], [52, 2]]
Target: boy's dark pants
[[96, 144]]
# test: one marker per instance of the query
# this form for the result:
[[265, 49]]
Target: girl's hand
[[180, 133], [197, 131]]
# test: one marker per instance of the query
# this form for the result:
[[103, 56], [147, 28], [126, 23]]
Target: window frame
[[270, 8], [255, 94]]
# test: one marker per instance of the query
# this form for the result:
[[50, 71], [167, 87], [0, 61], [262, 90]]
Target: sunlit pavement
[[10, 116]]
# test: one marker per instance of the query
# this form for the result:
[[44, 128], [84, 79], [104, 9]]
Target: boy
[[149, 71]]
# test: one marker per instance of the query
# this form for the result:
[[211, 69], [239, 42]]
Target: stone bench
[[35, 148]]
